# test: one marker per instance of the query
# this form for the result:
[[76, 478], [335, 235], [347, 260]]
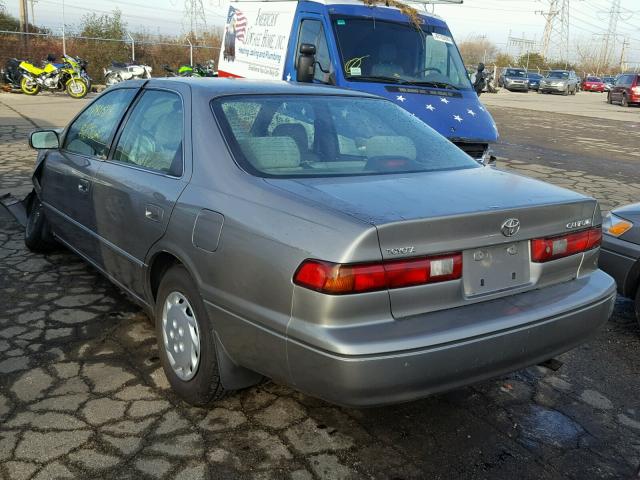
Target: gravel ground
[[82, 394]]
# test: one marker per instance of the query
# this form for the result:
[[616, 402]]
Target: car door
[[312, 30], [139, 183], [618, 88], [68, 174]]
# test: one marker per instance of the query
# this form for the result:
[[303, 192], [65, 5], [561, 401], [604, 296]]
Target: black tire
[[609, 101], [37, 233], [625, 101], [637, 306], [205, 386]]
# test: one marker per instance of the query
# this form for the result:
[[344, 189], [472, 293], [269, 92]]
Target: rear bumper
[[618, 258], [524, 329]]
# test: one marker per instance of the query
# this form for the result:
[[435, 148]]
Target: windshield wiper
[[376, 78], [432, 84]]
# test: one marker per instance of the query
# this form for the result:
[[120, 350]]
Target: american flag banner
[[237, 23]]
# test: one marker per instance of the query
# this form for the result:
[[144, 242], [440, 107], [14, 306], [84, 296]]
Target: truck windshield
[[373, 50], [329, 135]]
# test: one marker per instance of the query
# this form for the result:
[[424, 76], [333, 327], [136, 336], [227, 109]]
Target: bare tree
[[476, 49]]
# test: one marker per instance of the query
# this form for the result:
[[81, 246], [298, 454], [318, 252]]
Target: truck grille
[[474, 150]]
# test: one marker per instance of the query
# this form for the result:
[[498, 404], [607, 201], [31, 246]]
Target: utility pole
[[195, 17], [24, 24], [523, 44], [24, 16], [556, 29], [609, 39], [549, 17], [623, 60]]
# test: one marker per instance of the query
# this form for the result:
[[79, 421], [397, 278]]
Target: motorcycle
[[82, 64], [119, 72], [11, 74], [66, 77], [188, 71]]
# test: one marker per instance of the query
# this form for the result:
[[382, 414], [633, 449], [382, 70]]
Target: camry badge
[[579, 223], [510, 227]]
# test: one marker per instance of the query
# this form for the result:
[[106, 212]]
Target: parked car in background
[[620, 254], [515, 79], [592, 84], [626, 90], [559, 81], [534, 80], [319, 236], [608, 83]]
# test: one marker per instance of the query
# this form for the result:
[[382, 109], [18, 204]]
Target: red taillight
[[338, 279], [552, 248]]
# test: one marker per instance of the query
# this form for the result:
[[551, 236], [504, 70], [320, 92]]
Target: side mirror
[[306, 63], [44, 139]]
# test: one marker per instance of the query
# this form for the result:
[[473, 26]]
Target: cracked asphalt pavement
[[82, 394]]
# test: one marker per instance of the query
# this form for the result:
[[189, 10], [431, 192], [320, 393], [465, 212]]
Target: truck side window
[[312, 32]]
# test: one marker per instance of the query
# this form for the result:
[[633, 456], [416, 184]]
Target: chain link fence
[[100, 52]]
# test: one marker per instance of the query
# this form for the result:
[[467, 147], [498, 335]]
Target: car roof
[[216, 87]]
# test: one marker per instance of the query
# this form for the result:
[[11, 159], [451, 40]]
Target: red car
[[626, 90], [593, 84]]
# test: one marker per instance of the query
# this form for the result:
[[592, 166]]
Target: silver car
[[324, 238], [559, 81]]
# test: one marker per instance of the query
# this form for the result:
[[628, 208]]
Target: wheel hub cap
[[76, 88], [181, 336]]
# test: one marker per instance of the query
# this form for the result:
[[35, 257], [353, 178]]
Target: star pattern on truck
[[471, 112], [400, 98], [458, 118], [444, 100], [430, 107]]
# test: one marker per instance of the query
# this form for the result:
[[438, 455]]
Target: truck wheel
[[186, 339], [37, 233], [609, 101]]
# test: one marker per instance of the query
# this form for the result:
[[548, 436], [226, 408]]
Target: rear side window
[[307, 136], [152, 136], [91, 132]]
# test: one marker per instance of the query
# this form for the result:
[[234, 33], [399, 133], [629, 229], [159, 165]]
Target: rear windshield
[[318, 136], [515, 73], [593, 79]]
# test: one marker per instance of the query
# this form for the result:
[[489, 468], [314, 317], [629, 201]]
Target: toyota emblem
[[510, 227]]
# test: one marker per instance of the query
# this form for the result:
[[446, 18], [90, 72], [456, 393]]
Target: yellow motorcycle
[[66, 77]]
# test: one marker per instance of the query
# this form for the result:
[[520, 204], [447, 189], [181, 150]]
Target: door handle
[[153, 212], [83, 186]]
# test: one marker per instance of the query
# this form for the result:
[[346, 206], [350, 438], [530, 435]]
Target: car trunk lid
[[457, 211]]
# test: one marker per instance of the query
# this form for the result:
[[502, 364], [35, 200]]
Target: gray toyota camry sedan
[[323, 238]]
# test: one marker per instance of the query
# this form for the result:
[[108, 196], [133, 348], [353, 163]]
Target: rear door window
[[152, 136], [90, 134]]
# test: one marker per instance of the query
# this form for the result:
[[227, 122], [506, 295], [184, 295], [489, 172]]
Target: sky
[[495, 19]]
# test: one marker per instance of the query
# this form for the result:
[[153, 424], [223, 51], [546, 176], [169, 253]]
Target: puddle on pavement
[[549, 427]]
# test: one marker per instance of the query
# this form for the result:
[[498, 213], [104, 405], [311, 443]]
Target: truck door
[[314, 31]]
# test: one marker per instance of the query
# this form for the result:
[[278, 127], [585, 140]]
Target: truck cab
[[410, 60]]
